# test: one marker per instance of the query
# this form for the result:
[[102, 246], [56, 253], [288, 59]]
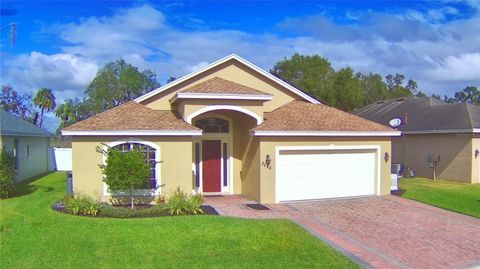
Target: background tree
[[346, 89], [66, 113], [15, 103], [117, 83], [373, 87], [469, 94], [312, 74], [125, 171], [45, 100], [396, 88]]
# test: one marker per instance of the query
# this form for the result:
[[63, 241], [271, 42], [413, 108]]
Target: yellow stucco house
[[233, 128]]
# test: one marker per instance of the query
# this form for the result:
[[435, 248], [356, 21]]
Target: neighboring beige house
[[28, 144], [434, 134], [233, 128]]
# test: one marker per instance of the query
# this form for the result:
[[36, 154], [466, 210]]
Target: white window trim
[[221, 61], [376, 148], [324, 133], [158, 173], [224, 96], [190, 117], [133, 133]]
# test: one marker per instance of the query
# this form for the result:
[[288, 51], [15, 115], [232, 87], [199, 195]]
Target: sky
[[61, 44]]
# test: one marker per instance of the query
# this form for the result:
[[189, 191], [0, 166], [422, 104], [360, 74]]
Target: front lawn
[[34, 236], [459, 197]]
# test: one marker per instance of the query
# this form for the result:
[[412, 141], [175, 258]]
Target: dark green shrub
[[111, 211], [81, 204], [125, 171], [7, 173]]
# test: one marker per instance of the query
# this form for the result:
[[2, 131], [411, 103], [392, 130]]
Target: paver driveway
[[381, 232]]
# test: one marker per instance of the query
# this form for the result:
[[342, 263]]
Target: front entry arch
[[257, 117]]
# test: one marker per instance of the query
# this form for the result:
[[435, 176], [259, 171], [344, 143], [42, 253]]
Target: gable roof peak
[[227, 58]]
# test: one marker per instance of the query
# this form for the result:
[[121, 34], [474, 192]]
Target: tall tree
[[66, 112], [347, 91], [45, 100], [469, 94], [373, 87], [312, 74], [117, 83], [15, 103], [397, 89]]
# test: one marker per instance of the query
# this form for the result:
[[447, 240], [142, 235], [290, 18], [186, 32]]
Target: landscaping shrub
[[7, 173], [111, 211], [179, 203], [125, 171], [81, 204], [194, 204], [160, 200]]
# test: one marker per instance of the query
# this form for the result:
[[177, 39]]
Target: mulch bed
[[207, 210]]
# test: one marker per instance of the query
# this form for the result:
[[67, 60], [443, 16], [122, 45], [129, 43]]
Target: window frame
[[137, 192], [205, 127]]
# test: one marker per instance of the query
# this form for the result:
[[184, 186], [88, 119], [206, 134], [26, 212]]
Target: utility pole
[[13, 32]]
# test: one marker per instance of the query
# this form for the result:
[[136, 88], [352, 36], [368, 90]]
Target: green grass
[[34, 236], [459, 197]]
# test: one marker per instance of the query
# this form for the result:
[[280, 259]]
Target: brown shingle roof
[[132, 116], [304, 116], [221, 86]]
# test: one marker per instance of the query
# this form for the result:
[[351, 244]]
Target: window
[[197, 165], [213, 125], [225, 165], [150, 155], [27, 151], [16, 154]]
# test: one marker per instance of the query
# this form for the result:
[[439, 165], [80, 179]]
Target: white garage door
[[319, 174]]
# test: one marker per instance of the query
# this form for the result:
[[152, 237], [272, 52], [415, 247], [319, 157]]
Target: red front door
[[211, 158]]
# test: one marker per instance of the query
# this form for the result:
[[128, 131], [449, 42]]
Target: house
[[436, 137], [233, 128], [28, 144]]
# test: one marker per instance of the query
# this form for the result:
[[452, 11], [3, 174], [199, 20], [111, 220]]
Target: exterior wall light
[[477, 152], [386, 157], [268, 160]]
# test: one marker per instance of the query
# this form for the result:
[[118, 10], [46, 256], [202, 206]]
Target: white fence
[[62, 159]]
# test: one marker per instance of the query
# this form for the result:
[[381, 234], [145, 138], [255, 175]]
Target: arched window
[[150, 155], [213, 125]]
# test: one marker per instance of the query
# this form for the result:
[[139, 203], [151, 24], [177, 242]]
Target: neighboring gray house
[[434, 134], [28, 143]]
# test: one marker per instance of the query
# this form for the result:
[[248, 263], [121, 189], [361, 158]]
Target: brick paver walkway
[[381, 232]]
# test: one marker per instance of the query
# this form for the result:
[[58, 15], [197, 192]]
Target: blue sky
[[61, 45]]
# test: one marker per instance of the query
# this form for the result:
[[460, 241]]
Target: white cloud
[[465, 67], [408, 43], [60, 72]]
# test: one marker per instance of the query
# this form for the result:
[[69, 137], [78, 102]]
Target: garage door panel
[[325, 175]]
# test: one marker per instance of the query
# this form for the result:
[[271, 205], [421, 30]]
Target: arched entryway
[[218, 152]]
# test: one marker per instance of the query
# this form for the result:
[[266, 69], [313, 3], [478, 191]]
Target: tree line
[[119, 82]]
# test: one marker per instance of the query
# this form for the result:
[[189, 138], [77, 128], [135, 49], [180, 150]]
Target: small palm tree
[[45, 100], [66, 113]]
